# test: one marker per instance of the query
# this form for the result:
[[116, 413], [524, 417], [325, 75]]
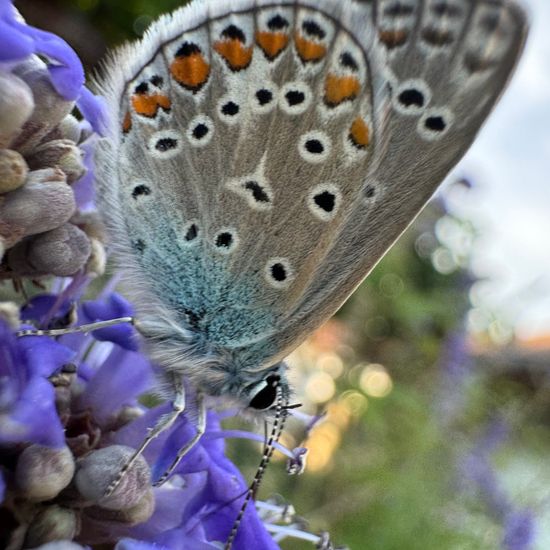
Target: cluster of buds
[[44, 181]]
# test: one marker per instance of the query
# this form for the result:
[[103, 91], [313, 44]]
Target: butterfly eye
[[265, 394]]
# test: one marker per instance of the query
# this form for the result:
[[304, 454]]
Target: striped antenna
[[281, 413]]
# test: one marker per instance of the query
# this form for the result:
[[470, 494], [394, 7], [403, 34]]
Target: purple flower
[[27, 399], [87, 390], [19, 41]]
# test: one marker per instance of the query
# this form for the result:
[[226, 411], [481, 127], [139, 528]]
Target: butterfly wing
[[447, 65], [265, 155]]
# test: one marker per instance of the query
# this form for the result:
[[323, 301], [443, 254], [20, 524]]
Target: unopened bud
[[62, 252], [13, 170], [48, 112], [69, 128], [98, 469], [139, 513], [97, 261], [54, 523], [16, 106], [59, 153], [43, 472], [43, 203], [9, 312]]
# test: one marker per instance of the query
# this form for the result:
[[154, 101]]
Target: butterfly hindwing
[[448, 63]]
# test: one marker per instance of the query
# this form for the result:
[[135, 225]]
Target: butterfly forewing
[[268, 153]]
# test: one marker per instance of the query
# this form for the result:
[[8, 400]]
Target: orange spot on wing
[[127, 122], [309, 51], [393, 38], [272, 43], [164, 102], [341, 88], [191, 71], [236, 55], [148, 105], [360, 133]]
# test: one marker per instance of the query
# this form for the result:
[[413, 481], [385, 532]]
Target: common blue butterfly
[[261, 157]]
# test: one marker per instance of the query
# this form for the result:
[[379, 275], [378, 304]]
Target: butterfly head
[[268, 392]]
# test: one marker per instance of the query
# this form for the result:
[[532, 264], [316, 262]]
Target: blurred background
[[436, 375]]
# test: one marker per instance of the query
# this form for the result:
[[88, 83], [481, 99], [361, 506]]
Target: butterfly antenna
[[269, 449]]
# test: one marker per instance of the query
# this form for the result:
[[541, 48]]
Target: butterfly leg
[[163, 423], [201, 427], [70, 330]]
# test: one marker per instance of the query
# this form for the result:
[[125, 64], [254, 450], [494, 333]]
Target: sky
[[509, 164]]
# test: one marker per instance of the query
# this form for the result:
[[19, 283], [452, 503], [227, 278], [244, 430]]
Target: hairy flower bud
[[43, 472], [53, 523], [16, 106], [69, 128], [13, 170], [138, 513], [98, 469], [97, 261], [9, 312], [48, 112], [59, 153], [62, 251], [43, 203]]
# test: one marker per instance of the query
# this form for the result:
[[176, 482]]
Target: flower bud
[[48, 112], [139, 513], [13, 170], [16, 106], [53, 523], [98, 469], [97, 261], [43, 472], [59, 153], [9, 312], [69, 128], [43, 203], [62, 252]]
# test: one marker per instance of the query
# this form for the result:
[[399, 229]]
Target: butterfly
[[262, 156]]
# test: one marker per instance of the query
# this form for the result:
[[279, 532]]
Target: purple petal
[[120, 380], [94, 109], [43, 355], [130, 544], [68, 76], [12, 364], [41, 306], [170, 509], [112, 307], [2, 487], [13, 44], [176, 540], [34, 418], [134, 433], [197, 460]]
